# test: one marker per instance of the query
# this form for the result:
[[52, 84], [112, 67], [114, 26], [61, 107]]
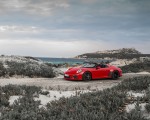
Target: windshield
[[89, 65]]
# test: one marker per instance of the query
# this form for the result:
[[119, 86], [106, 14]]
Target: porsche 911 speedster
[[90, 71]]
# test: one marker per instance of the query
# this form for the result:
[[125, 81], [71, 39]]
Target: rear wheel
[[87, 76], [115, 75]]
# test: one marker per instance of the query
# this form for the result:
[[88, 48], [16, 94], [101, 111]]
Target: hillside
[[124, 53], [24, 66]]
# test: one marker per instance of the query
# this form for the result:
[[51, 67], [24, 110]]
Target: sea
[[71, 61]]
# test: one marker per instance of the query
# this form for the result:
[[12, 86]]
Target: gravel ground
[[60, 84]]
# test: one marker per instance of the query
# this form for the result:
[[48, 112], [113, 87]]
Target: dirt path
[[61, 84]]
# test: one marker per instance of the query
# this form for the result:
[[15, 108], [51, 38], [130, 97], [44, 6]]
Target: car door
[[97, 72], [103, 72]]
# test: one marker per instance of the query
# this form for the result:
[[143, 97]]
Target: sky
[[67, 28]]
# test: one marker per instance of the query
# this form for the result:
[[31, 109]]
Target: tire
[[115, 75], [87, 76]]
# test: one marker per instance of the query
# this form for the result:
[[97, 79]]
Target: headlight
[[79, 71]]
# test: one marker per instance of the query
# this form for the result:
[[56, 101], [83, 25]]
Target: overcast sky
[[66, 28]]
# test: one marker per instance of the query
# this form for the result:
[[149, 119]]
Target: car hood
[[72, 70]]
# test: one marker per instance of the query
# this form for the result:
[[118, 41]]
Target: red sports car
[[89, 71]]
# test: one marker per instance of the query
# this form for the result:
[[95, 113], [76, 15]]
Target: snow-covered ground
[[143, 73], [136, 94], [53, 95], [139, 73], [132, 106], [13, 98], [56, 95]]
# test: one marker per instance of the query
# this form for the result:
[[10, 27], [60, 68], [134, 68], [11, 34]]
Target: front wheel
[[115, 75], [87, 76]]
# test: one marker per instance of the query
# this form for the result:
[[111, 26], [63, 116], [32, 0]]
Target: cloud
[[24, 28], [13, 28], [96, 7], [15, 32], [43, 7]]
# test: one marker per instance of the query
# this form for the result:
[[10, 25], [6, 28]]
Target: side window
[[103, 66]]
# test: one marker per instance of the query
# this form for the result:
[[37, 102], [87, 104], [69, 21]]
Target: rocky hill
[[123, 50], [124, 53]]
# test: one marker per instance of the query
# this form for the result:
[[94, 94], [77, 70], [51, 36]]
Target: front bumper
[[73, 76]]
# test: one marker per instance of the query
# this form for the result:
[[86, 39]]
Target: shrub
[[3, 100], [135, 83], [2, 70], [25, 108], [31, 69], [10, 90], [135, 115], [45, 92], [137, 67], [148, 107]]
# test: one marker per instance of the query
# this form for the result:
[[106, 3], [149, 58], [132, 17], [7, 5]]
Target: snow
[[144, 72], [142, 105], [5, 65], [138, 73], [130, 107], [53, 95], [56, 95], [136, 94], [13, 98]]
